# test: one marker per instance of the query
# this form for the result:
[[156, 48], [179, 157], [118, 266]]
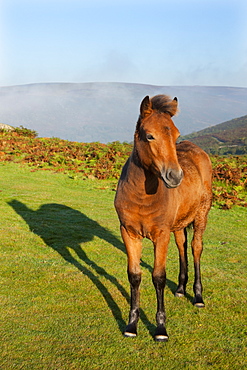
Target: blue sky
[[160, 42]]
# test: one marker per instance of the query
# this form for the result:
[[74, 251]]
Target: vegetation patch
[[91, 160], [104, 162]]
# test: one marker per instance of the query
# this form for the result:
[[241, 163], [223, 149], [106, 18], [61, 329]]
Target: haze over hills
[[106, 112]]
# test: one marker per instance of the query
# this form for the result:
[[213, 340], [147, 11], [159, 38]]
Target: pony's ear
[[173, 107], [146, 107]]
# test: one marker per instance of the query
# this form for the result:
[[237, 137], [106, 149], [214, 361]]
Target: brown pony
[[163, 188]]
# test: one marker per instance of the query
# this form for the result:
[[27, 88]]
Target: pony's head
[[155, 139]]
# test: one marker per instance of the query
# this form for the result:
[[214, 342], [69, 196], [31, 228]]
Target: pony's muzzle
[[172, 177]]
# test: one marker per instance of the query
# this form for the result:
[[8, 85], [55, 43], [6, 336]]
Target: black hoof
[[130, 331], [161, 338], [180, 292], [198, 302], [129, 335], [161, 334]]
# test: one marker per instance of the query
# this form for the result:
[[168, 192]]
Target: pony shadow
[[63, 229]]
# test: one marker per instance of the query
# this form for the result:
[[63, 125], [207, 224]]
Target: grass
[[64, 289]]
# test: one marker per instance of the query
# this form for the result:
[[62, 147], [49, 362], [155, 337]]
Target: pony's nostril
[[172, 177]]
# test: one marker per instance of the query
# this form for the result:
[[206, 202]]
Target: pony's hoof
[[180, 292], [180, 295], [129, 335], [198, 302], [161, 335], [161, 338], [130, 331]]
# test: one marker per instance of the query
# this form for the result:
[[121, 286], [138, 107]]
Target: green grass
[[64, 289]]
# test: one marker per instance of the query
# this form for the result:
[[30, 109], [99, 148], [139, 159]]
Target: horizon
[[120, 82]]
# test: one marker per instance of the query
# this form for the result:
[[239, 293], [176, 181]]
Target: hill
[[225, 138], [106, 112]]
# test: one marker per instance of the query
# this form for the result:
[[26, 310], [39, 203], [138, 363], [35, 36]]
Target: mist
[[107, 112]]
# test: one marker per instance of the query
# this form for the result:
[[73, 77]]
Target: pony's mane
[[164, 104]]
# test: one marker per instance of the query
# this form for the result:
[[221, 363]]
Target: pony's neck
[[143, 176]]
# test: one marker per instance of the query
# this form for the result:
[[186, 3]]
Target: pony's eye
[[149, 137]]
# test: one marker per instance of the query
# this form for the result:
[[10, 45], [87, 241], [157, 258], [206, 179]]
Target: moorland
[[63, 282]]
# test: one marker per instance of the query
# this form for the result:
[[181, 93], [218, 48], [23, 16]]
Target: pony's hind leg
[[181, 241], [133, 248], [197, 247]]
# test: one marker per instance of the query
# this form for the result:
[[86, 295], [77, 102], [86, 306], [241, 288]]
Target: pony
[[164, 187]]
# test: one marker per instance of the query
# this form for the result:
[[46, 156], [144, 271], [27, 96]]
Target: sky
[[157, 42]]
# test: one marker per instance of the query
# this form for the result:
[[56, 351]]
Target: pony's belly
[[186, 213]]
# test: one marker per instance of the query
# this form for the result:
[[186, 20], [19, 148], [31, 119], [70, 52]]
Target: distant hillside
[[225, 138], [106, 112]]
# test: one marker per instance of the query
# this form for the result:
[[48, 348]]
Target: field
[[64, 288]]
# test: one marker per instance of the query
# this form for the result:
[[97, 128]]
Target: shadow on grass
[[63, 228]]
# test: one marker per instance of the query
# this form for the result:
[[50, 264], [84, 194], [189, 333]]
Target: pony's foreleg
[[197, 248], [159, 281], [181, 241], [133, 248]]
